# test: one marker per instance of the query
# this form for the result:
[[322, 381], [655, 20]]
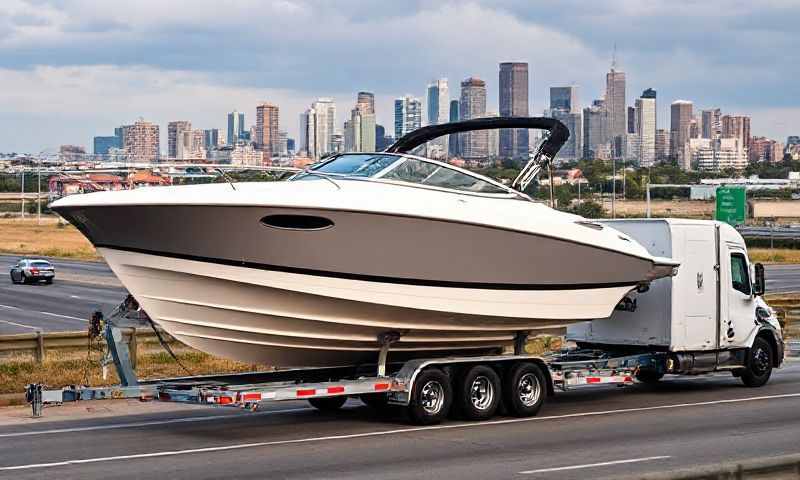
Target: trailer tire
[[327, 404], [525, 389], [479, 393], [758, 368], [376, 401], [431, 397], [649, 377]]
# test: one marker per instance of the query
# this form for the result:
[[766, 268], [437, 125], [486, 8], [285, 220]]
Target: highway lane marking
[[20, 325], [63, 316], [380, 433], [10, 306], [150, 423], [592, 465]]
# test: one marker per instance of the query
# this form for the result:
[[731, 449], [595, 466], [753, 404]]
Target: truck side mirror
[[760, 285]]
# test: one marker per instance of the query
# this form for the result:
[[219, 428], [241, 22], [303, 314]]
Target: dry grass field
[[662, 208], [52, 239], [777, 255]]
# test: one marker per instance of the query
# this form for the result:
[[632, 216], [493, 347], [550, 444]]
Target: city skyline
[[75, 74]]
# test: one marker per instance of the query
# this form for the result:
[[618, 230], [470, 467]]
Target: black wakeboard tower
[[557, 136]]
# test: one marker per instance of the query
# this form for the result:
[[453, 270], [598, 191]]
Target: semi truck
[[710, 316]]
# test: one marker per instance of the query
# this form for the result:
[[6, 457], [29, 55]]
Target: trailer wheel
[[377, 401], [479, 393], [524, 389], [649, 377], [759, 364], [327, 404], [431, 397]]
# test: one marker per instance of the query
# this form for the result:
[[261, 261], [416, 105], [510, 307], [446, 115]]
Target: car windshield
[[403, 169], [40, 264]]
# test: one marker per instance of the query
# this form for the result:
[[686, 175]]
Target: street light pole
[[22, 211], [613, 184], [39, 191]]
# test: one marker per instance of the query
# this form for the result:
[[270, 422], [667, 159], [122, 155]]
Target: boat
[[361, 250]]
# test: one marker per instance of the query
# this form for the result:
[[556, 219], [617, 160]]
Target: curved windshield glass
[[402, 169]]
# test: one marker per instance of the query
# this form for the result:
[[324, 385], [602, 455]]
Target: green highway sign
[[731, 205]]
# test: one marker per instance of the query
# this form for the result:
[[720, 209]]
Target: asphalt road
[[66, 304], [63, 306], [596, 433]]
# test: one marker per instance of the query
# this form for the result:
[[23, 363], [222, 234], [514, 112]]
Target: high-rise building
[[680, 125], [407, 115], [595, 131], [141, 142], [662, 145], [174, 131], [438, 102], [631, 120], [513, 85], [267, 139], [573, 148], [736, 126], [308, 137], [646, 126], [366, 102], [565, 98], [325, 109], [473, 145], [211, 138], [715, 155], [190, 145], [711, 123], [615, 105], [453, 139], [235, 127], [103, 144], [765, 150], [359, 135]]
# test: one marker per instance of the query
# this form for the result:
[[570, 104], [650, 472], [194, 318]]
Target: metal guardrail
[[39, 343], [788, 233]]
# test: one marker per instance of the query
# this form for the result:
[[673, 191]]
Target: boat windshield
[[404, 169]]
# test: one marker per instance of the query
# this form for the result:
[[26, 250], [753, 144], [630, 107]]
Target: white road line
[[149, 423], [9, 306], [19, 325], [385, 433], [592, 465], [63, 316]]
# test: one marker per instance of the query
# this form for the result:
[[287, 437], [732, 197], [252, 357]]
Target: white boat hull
[[289, 319]]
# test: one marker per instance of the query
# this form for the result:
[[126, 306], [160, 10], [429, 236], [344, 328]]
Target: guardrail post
[[39, 347], [132, 348]]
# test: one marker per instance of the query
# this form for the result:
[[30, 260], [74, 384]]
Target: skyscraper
[[736, 126], [453, 138], [631, 126], [325, 109], [595, 134], [407, 115], [174, 130], [646, 125], [308, 138], [573, 148], [366, 102], [102, 145], [360, 130], [513, 97], [662, 145], [565, 98], [141, 142], [190, 145], [473, 145], [211, 138], [267, 136], [438, 102], [235, 127], [711, 123], [680, 123], [615, 105]]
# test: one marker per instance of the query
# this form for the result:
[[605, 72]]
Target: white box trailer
[[708, 317]]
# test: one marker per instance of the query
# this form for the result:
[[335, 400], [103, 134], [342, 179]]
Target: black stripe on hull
[[372, 278]]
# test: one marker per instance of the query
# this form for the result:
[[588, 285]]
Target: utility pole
[[613, 184], [22, 211], [39, 191]]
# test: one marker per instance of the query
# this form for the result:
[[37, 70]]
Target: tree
[[589, 209]]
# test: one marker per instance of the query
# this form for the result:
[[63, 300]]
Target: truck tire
[[479, 392], [327, 404], [524, 390], [758, 368], [431, 397], [649, 377]]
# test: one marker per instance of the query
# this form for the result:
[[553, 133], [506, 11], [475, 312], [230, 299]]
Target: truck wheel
[[649, 377], [431, 397], [759, 364], [479, 393], [524, 390], [327, 404]]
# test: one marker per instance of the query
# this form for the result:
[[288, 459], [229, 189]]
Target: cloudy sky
[[72, 69]]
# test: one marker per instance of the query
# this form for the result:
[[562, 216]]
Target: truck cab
[[710, 316]]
